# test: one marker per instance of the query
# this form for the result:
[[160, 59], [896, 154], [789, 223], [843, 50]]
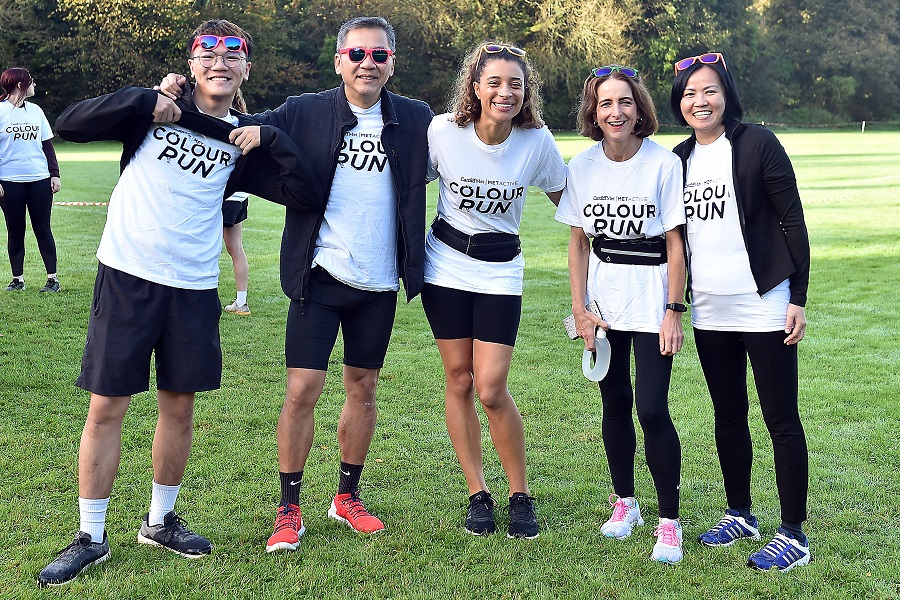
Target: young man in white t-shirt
[[155, 292]]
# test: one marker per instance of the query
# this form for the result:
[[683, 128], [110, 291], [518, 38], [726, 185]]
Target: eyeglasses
[[232, 43], [710, 58], [357, 55], [609, 69], [209, 60], [495, 48]]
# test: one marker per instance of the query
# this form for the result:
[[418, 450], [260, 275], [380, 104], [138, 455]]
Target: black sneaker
[[74, 558], [16, 285], [174, 535], [522, 518], [52, 285], [480, 519]]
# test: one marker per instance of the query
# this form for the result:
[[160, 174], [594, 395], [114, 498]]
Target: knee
[[361, 389], [494, 396], [301, 395], [460, 383], [655, 420]]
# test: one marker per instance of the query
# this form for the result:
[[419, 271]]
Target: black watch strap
[[676, 307]]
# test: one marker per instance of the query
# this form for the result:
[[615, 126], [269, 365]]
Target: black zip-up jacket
[[317, 122], [769, 208], [275, 171]]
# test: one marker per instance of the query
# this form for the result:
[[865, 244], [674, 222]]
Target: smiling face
[[364, 80], [616, 112], [703, 105], [218, 82], [501, 90]]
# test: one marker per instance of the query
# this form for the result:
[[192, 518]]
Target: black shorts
[[365, 318], [132, 318], [234, 211], [457, 314]]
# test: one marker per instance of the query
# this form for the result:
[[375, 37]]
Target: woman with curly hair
[[487, 151]]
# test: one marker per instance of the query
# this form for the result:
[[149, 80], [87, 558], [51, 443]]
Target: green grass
[[849, 400]]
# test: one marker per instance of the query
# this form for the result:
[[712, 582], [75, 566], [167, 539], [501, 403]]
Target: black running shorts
[[457, 314], [131, 319], [365, 318]]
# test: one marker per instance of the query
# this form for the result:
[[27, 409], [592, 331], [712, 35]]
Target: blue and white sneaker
[[784, 553], [731, 528]]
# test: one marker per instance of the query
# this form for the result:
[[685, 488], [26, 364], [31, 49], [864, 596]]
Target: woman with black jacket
[[748, 266]]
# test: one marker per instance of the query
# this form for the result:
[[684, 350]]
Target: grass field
[[850, 402]]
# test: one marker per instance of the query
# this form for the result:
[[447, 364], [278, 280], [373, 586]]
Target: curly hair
[[465, 106], [587, 109]]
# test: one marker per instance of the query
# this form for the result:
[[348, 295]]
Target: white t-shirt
[[164, 222], [483, 190], [723, 291], [357, 242], [22, 130], [632, 199], [718, 256]]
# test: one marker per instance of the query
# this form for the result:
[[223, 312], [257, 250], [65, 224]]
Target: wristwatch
[[676, 307]]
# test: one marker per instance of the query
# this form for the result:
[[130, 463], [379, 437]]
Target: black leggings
[[37, 197], [662, 447], [723, 356]]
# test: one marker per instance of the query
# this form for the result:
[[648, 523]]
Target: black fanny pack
[[642, 251], [487, 247]]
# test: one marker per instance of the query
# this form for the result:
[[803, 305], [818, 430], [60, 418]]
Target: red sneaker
[[288, 529], [349, 509]]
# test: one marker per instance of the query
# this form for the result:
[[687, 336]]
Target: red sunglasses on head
[[709, 58], [232, 43], [357, 55]]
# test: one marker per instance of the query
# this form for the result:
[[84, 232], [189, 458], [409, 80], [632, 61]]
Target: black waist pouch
[[642, 251], [487, 247]]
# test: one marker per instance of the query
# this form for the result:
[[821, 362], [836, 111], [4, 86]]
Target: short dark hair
[[366, 23], [734, 110], [220, 27], [587, 108]]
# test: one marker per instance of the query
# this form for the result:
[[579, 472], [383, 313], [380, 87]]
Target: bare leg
[[491, 368], [460, 412], [357, 423], [101, 445], [296, 425], [235, 246], [174, 433]]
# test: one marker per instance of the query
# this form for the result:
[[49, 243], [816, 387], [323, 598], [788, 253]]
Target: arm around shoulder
[[108, 117]]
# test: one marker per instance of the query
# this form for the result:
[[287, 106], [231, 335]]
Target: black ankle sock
[[290, 487], [796, 531], [745, 513], [350, 474]]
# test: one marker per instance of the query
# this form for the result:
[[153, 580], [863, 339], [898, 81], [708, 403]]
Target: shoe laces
[[286, 517], [521, 508], [667, 533], [354, 506], [620, 509], [177, 527], [777, 546], [722, 524]]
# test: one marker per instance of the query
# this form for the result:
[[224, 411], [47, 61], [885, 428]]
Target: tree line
[[795, 61]]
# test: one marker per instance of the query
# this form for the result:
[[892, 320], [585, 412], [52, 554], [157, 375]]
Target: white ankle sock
[[241, 298], [93, 517], [162, 501]]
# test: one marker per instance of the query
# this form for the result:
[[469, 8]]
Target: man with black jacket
[[341, 266]]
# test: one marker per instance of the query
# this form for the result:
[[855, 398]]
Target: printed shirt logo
[[363, 152], [705, 200], [190, 152], [622, 216], [486, 196], [24, 131]]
